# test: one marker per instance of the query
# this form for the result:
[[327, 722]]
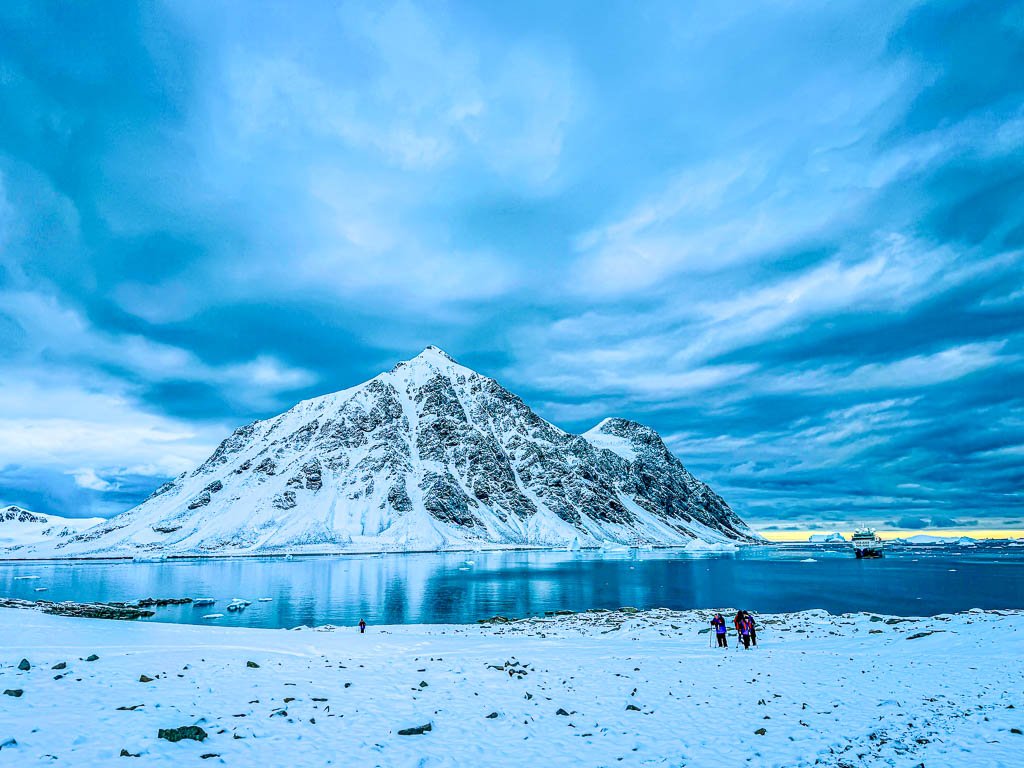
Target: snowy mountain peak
[[432, 360], [20, 515], [429, 455], [19, 527], [434, 355]]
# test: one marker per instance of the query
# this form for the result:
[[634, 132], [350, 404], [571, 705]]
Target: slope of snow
[[20, 528], [609, 442], [617, 688], [427, 456]]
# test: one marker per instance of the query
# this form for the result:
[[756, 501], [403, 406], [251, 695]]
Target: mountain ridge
[[427, 455]]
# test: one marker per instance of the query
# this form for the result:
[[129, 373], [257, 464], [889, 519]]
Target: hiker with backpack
[[753, 628], [746, 628], [719, 624]]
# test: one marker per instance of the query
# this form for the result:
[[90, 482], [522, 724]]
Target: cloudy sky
[[787, 235]]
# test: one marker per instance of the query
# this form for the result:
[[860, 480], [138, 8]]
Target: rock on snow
[[429, 455]]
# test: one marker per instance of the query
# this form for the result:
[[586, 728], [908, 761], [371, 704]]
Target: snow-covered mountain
[[430, 455], [19, 527]]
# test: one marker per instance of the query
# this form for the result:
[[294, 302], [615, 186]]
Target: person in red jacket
[[362, 626], [719, 624]]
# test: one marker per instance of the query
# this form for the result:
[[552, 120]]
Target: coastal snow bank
[[604, 688]]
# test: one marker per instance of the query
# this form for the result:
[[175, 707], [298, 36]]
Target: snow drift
[[429, 455]]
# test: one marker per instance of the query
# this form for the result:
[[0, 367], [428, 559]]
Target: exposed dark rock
[[60, 665], [24, 665], [200, 501], [193, 732], [15, 692], [285, 500], [918, 635], [252, 665], [92, 657], [417, 731], [160, 602], [17, 514], [145, 679]]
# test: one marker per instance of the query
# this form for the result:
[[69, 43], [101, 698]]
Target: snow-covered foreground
[[615, 688]]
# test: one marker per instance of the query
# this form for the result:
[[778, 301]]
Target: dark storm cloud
[[786, 237]]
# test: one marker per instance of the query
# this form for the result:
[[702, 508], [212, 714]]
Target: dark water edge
[[466, 586]]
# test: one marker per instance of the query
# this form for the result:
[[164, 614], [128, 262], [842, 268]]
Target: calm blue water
[[445, 588]]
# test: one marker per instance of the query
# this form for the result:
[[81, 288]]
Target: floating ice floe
[[201, 601], [238, 604], [41, 589], [25, 578], [214, 616], [808, 560], [266, 599]]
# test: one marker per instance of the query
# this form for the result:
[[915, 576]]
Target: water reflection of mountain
[[464, 587]]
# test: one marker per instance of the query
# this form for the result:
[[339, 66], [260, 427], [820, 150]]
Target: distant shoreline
[[8, 557], [802, 535]]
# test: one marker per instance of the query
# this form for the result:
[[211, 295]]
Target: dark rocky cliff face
[[430, 454]]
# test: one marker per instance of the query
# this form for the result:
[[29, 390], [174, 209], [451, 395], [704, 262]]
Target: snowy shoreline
[[698, 548], [598, 688]]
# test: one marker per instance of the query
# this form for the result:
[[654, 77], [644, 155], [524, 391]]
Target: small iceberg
[[41, 589], [265, 599], [238, 604], [214, 616], [699, 545], [826, 538], [25, 578], [808, 560], [470, 562], [199, 602]]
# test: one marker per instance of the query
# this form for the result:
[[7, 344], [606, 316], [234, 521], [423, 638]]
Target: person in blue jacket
[[719, 624]]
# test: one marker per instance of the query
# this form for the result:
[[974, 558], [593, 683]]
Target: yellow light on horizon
[[797, 535]]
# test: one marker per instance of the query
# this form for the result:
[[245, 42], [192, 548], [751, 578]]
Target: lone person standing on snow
[[362, 626], [719, 624]]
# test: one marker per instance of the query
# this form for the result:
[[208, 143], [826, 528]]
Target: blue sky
[[787, 235]]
